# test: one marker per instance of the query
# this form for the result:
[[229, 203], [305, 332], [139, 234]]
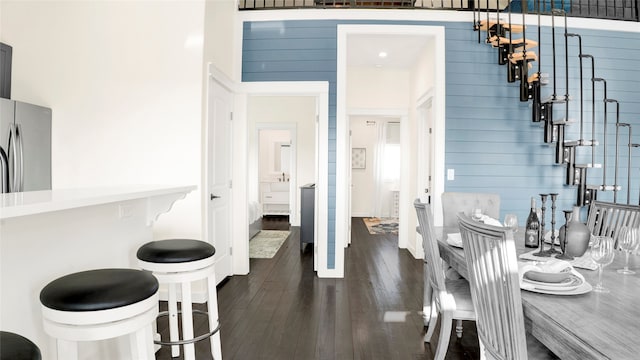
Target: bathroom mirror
[[282, 156]]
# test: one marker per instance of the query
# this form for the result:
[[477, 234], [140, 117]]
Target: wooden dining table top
[[587, 326]]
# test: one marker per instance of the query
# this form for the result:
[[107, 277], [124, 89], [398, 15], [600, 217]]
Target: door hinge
[[430, 130], [231, 116], [231, 251], [429, 177], [230, 184]]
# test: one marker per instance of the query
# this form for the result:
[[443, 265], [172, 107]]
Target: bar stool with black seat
[[17, 347], [183, 261], [101, 304]]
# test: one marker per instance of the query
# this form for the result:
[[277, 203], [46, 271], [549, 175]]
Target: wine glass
[[627, 242], [602, 253], [511, 222]]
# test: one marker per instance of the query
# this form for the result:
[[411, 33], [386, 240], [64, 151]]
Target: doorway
[[284, 129], [277, 169], [412, 66]]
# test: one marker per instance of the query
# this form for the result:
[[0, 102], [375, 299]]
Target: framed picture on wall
[[358, 158]]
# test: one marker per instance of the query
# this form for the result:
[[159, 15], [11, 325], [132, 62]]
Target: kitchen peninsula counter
[[37, 202], [48, 234]]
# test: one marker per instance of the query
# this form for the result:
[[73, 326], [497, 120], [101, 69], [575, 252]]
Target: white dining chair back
[[606, 218], [449, 298], [456, 202], [492, 264]]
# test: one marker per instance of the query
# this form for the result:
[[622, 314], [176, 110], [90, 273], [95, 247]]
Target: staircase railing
[[520, 58], [602, 9]]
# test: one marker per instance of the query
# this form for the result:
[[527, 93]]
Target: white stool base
[[184, 274]]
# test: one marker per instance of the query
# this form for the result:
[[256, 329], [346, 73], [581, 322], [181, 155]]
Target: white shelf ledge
[[37, 202]]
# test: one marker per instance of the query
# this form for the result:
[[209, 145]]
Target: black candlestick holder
[[541, 252], [552, 250]]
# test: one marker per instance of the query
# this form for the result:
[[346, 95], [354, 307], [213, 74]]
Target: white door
[[218, 192]]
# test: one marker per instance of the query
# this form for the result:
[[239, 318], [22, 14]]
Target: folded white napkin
[[490, 221], [549, 266], [454, 239]]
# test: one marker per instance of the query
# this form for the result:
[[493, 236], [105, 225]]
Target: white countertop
[[37, 202]]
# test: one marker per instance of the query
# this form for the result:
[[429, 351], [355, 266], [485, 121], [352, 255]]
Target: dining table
[[592, 325]]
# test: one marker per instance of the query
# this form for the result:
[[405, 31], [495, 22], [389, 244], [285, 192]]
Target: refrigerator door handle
[[20, 147], [12, 148], [4, 172]]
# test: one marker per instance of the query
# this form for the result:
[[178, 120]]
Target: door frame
[[320, 90], [293, 156], [343, 214]]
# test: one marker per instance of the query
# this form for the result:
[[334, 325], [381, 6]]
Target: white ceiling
[[402, 50]]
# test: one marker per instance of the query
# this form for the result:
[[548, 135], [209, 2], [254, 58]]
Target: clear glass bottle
[[532, 230]]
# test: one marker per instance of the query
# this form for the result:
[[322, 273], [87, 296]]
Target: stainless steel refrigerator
[[25, 146]]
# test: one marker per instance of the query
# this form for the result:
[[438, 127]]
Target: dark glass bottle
[[532, 231]]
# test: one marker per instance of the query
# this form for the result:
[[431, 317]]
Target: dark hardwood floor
[[282, 310]]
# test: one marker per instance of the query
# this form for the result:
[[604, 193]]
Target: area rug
[[377, 226], [266, 243]]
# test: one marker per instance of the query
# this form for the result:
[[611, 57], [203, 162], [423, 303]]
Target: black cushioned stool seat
[[101, 304], [17, 347], [175, 251], [101, 289], [179, 263]]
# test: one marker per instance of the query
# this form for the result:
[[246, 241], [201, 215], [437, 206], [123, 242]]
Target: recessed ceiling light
[[382, 54]]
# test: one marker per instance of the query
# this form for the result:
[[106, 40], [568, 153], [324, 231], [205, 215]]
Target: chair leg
[[459, 328], [432, 322], [173, 319], [445, 334], [187, 321], [67, 350], [426, 300], [212, 308]]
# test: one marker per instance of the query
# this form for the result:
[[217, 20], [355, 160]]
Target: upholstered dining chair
[[606, 218], [456, 202], [492, 265], [449, 299]]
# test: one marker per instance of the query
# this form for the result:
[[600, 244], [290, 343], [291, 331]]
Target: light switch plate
[[451, 174]]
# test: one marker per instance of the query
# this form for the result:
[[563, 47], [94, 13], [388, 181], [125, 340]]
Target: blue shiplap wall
[[490, 141]]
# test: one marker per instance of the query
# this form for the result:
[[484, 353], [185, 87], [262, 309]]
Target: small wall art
[[358, 158]]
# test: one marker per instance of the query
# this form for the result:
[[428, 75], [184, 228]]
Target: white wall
[[124, 79], [362, 180], [377, 88], [298, 110], [219, 27]]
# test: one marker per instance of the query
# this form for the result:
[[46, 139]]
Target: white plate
[[573, 282], [582, 289]]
